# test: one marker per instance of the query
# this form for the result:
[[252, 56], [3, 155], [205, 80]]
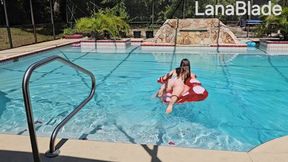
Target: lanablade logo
[[239, 8]]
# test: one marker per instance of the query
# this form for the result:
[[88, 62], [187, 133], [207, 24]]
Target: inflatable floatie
[[195, 93], [251, 44]]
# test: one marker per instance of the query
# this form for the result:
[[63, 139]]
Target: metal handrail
[[25, 88]]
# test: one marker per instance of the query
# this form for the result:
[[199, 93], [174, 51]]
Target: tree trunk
[[56, 7]]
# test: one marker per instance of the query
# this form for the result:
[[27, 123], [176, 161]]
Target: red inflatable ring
[[195, 93]]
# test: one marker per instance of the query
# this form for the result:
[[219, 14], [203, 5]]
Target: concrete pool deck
[[26, 50], [14, 148]]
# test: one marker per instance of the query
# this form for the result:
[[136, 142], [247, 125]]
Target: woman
[[174, 82]]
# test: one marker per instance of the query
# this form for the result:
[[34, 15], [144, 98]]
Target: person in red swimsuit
[[175, 83]]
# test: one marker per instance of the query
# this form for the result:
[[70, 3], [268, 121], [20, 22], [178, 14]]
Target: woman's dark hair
[[184, 66]]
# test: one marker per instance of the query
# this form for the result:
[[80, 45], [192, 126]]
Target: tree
[[284, 3], [283, 23], [273, 23]]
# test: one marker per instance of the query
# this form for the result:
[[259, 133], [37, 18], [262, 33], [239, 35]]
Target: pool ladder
[[52, 152]]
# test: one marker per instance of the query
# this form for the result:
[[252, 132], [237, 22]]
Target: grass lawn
[[22, 37]]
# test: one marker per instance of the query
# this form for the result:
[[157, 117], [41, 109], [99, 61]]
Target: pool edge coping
[[36, 50], [116, 151]]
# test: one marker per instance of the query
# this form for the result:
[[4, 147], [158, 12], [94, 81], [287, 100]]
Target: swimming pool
[[247, 103]]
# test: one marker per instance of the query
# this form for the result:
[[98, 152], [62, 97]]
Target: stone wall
[[195, 32]]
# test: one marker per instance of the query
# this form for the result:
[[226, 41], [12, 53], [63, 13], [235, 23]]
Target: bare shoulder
[[172, 72]]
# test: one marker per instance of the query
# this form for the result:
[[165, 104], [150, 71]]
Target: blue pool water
[[247, 103]]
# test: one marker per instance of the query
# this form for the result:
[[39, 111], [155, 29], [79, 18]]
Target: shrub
[[273, 23], [84, 25], [283, 23], [101, 23], [69, 31]]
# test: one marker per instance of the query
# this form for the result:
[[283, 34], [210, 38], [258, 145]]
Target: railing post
[[29, 115], [28, 107]]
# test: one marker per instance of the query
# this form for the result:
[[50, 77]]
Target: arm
[[161, 90], [166, 76], [164, 81]]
